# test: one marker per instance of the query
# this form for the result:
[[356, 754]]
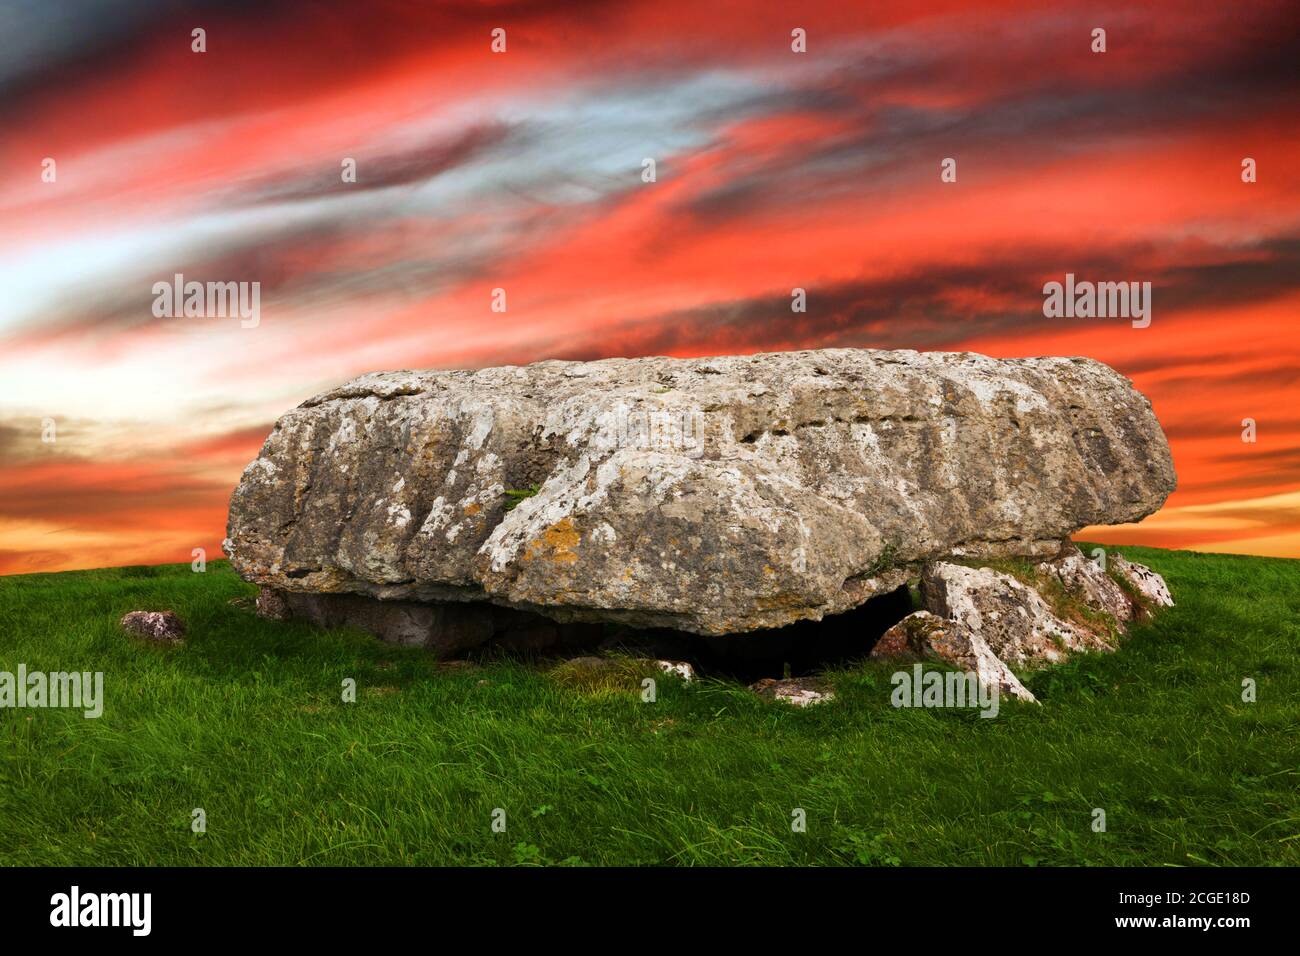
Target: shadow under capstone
[[796, 650], [478, 630]]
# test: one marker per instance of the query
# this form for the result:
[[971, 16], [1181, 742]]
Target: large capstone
[[715, 496]]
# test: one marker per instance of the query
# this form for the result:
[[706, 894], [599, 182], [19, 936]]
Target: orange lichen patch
[[780, 601], [472, 508], [556, 543]]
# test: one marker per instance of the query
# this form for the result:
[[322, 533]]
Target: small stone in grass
[[799, 691], [680, 669], [161, 626], [1150, 585], [271, 605]]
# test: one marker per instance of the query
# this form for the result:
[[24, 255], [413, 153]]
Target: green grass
[[246, 721], [516, 496]]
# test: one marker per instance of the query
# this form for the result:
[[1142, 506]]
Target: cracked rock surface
[[1012, 618], [1146, 582], [715, 496], [1087, 581], [925, 636]]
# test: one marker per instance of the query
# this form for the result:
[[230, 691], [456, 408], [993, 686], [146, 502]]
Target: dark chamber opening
[[805, 647]]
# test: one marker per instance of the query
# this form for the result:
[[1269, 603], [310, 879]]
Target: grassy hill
[[246, 721]]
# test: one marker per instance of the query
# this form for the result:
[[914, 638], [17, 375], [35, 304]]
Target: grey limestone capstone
[[712, 495]]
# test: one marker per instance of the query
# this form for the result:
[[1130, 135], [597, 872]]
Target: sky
[[122, 433]]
